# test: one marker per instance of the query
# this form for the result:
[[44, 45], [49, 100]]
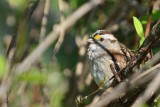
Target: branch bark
[[125, 87], [134, 81]]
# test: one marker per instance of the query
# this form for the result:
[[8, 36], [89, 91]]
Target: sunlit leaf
[[139, 29], [141, 41]]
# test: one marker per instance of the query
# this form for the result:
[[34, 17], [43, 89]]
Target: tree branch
[[125, 87], [52, 36], [134, 81]]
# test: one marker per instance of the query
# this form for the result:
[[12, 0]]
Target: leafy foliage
[[55, 80], [155, 16]]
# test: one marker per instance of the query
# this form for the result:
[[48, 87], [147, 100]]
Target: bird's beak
[[90, 40]]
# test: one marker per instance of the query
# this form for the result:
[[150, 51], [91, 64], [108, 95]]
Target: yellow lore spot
[[97, 37]]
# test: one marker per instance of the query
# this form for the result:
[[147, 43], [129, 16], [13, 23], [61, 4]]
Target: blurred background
[[61, 74]]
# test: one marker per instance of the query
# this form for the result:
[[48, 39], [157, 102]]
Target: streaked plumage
[[105, 51]]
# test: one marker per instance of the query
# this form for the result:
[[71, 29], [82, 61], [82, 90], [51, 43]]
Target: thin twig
[[18, 53], [62, 33], [153, 36], [121, 88], [44, 20], [52, 36], [137, 59], [148, 25], [44, 99], [20, 39]]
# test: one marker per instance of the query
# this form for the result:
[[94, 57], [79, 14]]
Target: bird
[[106, 56]]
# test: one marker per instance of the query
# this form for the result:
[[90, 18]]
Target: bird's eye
[[101, 39]]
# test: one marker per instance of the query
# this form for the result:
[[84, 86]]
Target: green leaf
[[157, 102], [34, 76], [138, 27], [2, 65], [155, 50], [141, 41], [155, 16], [139, 30]]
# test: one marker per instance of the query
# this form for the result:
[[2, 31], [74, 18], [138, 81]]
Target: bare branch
[[44, 20], [152, 88], [123, 88], [137, 59], [62, 33], [153, 36], [52, 36]]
